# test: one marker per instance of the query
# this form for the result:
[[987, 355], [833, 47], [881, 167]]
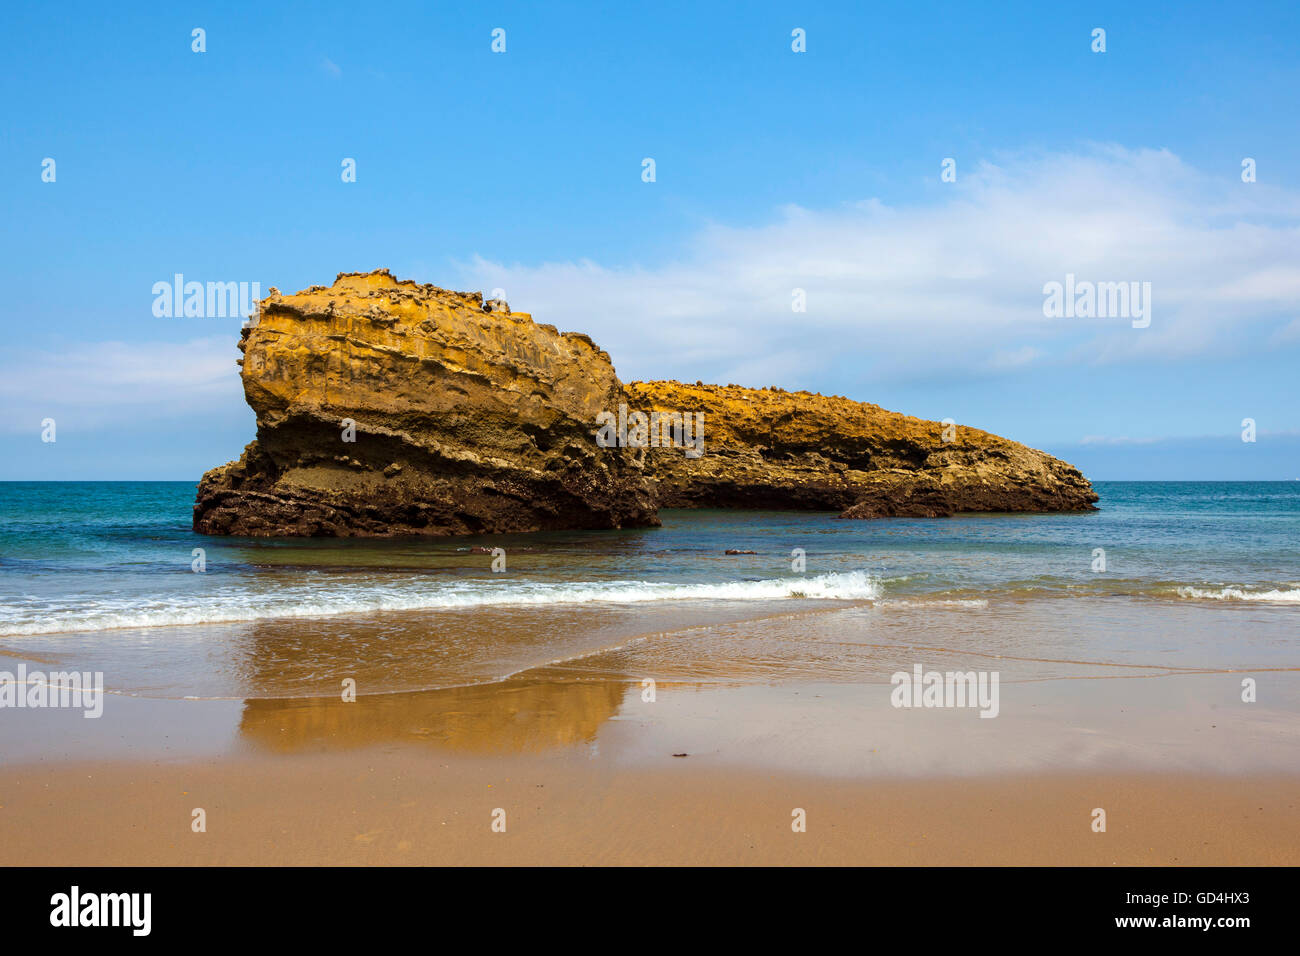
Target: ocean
[[102, 575]]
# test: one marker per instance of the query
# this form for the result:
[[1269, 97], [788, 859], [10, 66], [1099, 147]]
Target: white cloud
[[952, 287], [97, 382]]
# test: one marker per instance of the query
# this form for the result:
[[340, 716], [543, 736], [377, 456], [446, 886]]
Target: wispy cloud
[[1116, 440], [950, 287], [97, 382]]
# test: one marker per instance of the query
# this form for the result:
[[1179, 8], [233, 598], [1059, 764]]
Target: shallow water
[[99, 576]]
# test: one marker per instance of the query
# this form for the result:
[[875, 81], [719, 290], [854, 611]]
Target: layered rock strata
[[385, 407]]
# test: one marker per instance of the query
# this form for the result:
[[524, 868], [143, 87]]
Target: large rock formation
[[466, 419], [385, 407]]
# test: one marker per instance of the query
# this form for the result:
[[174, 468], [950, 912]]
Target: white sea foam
[[235, 604], [1290, 596]]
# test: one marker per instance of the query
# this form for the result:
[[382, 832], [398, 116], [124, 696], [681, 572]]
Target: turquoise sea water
[[97, 557]]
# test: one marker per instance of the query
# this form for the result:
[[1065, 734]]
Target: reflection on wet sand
[[509, 717]]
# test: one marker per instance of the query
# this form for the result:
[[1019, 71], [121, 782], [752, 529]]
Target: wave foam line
[[1291, 596], [297, 602]]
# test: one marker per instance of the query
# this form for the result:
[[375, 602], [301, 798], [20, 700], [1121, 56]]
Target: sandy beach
[[586, 772]]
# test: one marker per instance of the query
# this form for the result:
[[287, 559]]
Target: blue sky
[[775, 170]]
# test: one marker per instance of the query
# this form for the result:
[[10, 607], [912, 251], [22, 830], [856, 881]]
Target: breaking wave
[[1275, 595], [236, 604]]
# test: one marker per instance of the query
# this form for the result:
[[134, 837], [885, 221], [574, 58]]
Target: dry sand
[[401, 807]]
